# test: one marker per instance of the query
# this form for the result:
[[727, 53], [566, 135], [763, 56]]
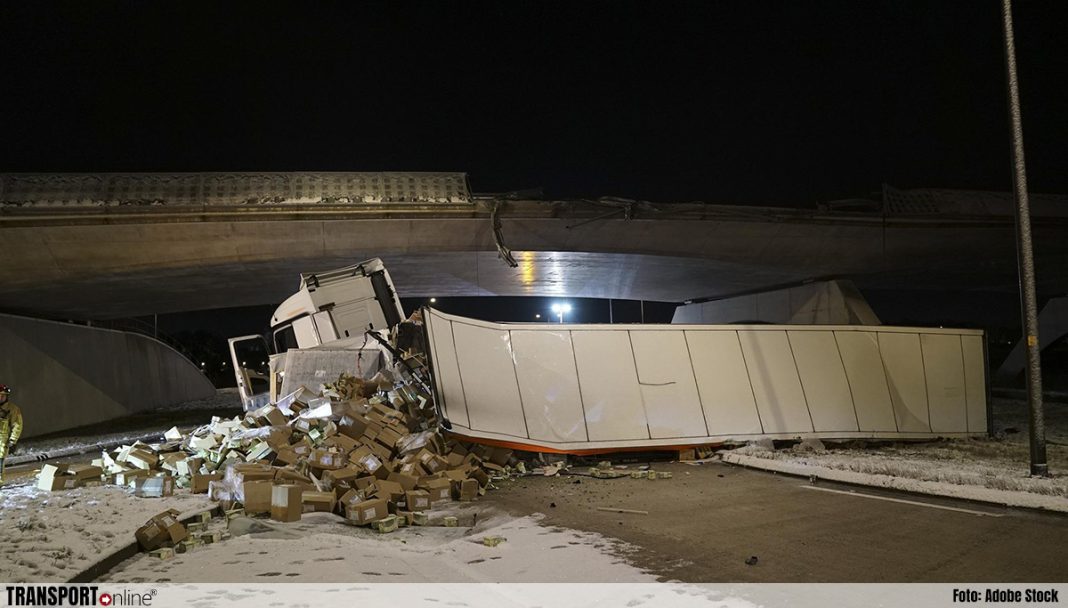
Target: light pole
[[561, 310], [1025, 256]]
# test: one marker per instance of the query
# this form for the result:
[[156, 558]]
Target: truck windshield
[[284, 339]]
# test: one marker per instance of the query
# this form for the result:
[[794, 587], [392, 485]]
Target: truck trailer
[[577, 388]]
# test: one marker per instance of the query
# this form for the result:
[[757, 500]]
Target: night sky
[[742, 102], [781, 103]]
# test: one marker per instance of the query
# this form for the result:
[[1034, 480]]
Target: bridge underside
[[103, 270]]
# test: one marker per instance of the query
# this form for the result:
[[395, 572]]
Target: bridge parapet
[[228, 189]]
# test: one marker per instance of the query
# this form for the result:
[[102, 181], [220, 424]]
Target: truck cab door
[[250, 357]]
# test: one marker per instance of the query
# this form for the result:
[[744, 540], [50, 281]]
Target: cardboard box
[[269, 415], [431, 461], [242, 472], [365, 483], [292, 476], [188, 466], [256, 496], [154, 487], [206, 442], [455, 475], [389, 490], [305, 425], [479, 475], [439, 489], [59, 482], [342, 442], [151, 535], [412, 468], [417, 500], [408, 482], [343, 476], [352, 426], [465, 490], [286, 503], [388, 437], [55, 477], [170, 523], [367, 511], [142, 458], [170, 460], [384, 453], [366, 459], [350, 499], [286, 456], [199, 483], [84, 472], [318, 502], [260, 450], [327, 459], [278, 437], [160, 529]]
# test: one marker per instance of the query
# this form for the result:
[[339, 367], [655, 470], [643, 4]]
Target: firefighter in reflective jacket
[[10, 426]]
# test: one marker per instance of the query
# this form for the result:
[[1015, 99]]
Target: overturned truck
[[598, 388]]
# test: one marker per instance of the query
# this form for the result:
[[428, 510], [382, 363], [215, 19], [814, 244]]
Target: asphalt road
[[705, 523], [708, 520]]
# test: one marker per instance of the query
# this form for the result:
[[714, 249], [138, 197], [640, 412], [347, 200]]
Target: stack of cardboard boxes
[[362, 459], [365, 449]]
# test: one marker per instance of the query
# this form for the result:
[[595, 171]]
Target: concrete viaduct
[[96, 246], [105, 246]]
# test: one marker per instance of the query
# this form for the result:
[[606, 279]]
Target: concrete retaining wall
[[66, 376]]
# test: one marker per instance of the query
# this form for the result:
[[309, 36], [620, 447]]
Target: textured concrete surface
[[120, 270], [67, 375]]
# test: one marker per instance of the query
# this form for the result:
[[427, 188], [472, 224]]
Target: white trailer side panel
[[603, 387]]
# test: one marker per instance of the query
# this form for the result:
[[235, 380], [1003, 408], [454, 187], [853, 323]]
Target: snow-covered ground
[[52, 536], [320, 548], [992, 469]]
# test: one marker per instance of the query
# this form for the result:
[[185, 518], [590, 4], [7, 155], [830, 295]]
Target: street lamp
[[433, 300], [561, 310], [537, 315]]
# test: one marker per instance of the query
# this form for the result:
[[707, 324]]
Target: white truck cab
[[335, 305], [329, 307]]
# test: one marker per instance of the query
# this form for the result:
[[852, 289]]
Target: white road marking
[[907, 502]]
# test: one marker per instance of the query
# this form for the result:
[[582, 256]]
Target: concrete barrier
[[67, 376]]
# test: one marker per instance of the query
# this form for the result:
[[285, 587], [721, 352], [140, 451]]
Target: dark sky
[[739, 102]]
